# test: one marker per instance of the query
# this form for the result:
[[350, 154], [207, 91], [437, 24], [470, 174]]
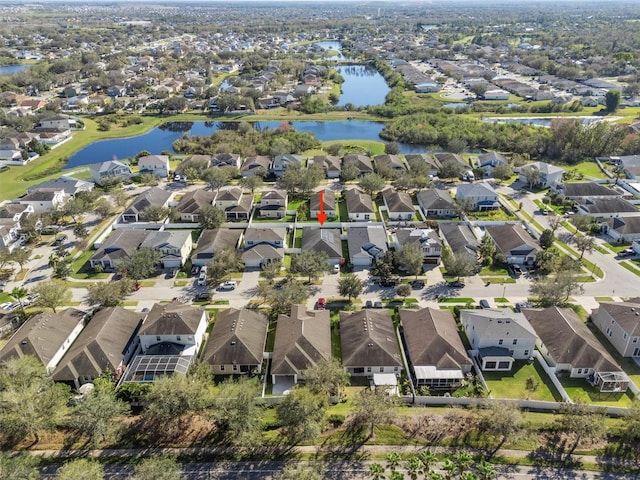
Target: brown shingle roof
[[172, 319], [368, 338]]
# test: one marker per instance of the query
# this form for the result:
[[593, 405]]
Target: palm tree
[[428, 458], [393, 461], [449, 468], [376, 471], [19, 293], [436, 476], [462, 460], [468, 476], [414, 467], [486, 471]]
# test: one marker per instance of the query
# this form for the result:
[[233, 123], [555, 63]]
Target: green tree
[[225, 262], [555, 221], [52, 294], [532, 175], [404, 290], [612, 100], [95, 416], [350, 286], [62, 270], [157, 468], [585, 243], [393, 461], [582, 422], [301, 415], [410, 258], [154, 213], [81, 469], [371, 183], [373, 408], [109, 294], [211, 217], [384, 266], [21, 256], [459, 265], [292, 292], [142, 263], [272, 270], [236, 412], [582, 222], [252, 182], [487, 250], [310, 263], [502, 171], [546, 239], [216, 178], [450, 169], [376, 471], [502, 420], [18, 293], [349, 172], [555, 290], [327, 377], [18, 467], [80, 230]]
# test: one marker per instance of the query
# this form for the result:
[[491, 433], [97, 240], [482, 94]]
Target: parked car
[[202, 296], [516, 270], [417, 284], [627, 252], [377, 305], [228, 285], [60, 239], [321, 304], [336, 269], [484, 304], [456, 284], [369, 304]]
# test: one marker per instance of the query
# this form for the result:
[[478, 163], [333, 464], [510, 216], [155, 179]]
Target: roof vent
[[370, 345], [23, 342], [233, 342]]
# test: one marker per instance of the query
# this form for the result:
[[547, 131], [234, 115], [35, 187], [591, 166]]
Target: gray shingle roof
[[172, 319], [626, 314], [216, 239], [322, 240], [587, 189], [436, 199], [511, 239], [194, 200], [460, 237], [368, 338], [329, 200], [358, 202], [397, 201], [372, 239], [607, 205]]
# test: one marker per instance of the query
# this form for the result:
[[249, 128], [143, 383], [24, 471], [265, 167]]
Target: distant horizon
[[357, 2]]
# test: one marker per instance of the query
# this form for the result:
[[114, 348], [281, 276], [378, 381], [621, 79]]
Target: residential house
[[329, 163], [325, 240], [630, 165], [120, 245], [11, 216], [567, 345], [515, 243], [256, 165], [328, 205], [226, 160], [197, 162], [435, 353], [170, 338], [388, 163], [437, 203], [9, 321], [449, 157], [273, 204], [303, 339], [620, 323], [71, 186], [498, 337], [59, 122], [106, 344], [426, 238], [192, 202], [155, 196], [490, 160], [362, 162], [157, 165], [359, 205], [433, 164], [481, 196], [607, 207], [622, 229], [281, 162], [236, 344], [548, 176], [212, 241], [234, 203], [399, 204], [369, 343], [366, 245], [108, 171], [580, 191], [46, 336], [115, 91], [263, 246], [174, 246], [44, 200]]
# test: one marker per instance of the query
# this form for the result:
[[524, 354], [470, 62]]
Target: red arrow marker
[[321, 216]]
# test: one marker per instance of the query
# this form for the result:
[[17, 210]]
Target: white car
[[336, 269], [228, 285]]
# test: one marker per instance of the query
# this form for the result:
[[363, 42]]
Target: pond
[[540, 121], [11, 69], [333, 45], [161, 138], [363, 85]]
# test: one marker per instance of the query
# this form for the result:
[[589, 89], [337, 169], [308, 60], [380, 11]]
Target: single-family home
[[567, 345], [11, 216], [460, 238], [620, 323], [170, 338], [449, 157], [273, 204], [388, 163], [71, 186], [514, 242], [481, 196], [155, 196], [548, 174], [437, 203], [369, 343], [196, 162], [59, 121], [109, 171], [120, 245], [607, 207], [44, 200], [580, 191], [329, 163], [435, 353], [427, 239], [281, 162], [234, 203], [212, 241], [359, 205], [621, 229], [226, 160], [46, 336], [237, 341], [106, 344], [174, 246], [366, 245], [258, 164], [498, 337], [191, 203], [432, 163], [399, 204], [263, 246], [303, 339], [362, 162], [157, 165], [490, 160], [325, 240], [328, 205]]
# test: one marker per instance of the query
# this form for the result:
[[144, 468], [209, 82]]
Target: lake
[[363, 85], [11, 69], [540, 121], [161, 138], [332, 45]]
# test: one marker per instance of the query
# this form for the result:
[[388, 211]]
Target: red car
[[321, 303]]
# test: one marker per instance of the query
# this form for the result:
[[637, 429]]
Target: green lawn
[[342, 210], [513, 384], [631, 267], [492, 215], [493, 270], [297, 241], [81, 268], [579, 390], [5, 297], [589, 169], [498, 280], [456, 300], [617, 247]]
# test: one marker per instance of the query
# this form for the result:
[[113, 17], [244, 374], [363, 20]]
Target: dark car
[[456, 284], [417, 284], [203, 296], [484, 304], [377, 305], [369, 304], [60, 239], [390, 282]]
